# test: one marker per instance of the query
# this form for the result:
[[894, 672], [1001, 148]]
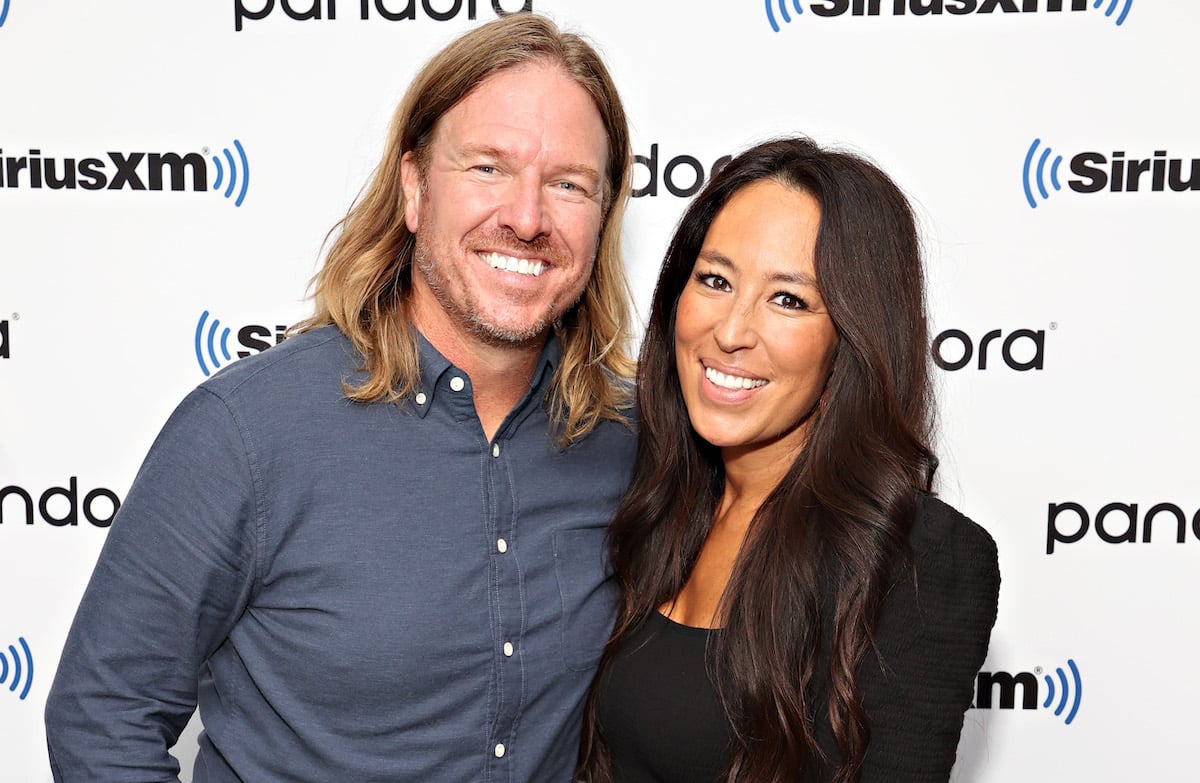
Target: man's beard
[[467, 312]]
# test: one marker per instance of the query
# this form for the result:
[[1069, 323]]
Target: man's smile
[[522, 266]]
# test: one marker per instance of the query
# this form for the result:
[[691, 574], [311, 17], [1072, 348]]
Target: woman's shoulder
[[951, 590], [944, 538], [949, 596], [931, 638]]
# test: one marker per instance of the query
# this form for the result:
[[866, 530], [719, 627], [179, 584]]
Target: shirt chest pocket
[[588, 593]]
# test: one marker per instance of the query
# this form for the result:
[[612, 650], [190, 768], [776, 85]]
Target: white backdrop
[[1085, 397]]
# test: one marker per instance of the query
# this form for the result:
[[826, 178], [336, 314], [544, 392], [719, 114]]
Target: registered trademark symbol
[[204, 150], [1038, 669], [16, 316], [1053, 325]]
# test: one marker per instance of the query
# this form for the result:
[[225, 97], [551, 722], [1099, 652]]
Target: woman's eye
[[789, 301], [715, 282]]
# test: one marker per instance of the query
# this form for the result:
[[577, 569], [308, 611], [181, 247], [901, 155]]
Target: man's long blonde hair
[[366, 282]]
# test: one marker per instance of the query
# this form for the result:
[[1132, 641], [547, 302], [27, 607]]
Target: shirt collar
[[434, 366]]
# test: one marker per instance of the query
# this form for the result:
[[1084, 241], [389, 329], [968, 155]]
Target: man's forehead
[[514, 95]]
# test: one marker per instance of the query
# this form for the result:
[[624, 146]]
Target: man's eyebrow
[[795, 278], [492, 151], [582, 169], [486, 150]]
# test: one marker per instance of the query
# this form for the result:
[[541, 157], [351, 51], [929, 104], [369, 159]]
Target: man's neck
[[500, 374]]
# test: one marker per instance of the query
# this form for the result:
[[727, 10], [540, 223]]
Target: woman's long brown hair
[[801, 604]]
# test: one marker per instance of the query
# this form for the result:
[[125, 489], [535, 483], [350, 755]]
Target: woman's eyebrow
[[722, 260]]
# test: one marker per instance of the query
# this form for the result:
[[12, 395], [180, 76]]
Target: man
[[375, 552]]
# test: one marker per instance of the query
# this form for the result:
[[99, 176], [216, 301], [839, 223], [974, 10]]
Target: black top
[[662, 722], [659, 712]]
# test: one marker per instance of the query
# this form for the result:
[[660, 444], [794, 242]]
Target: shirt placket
[[507, 610]]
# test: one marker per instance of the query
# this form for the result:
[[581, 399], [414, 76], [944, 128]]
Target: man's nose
[[524, 210]]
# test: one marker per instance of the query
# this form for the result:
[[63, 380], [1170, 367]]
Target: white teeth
[[732, 381], [522, 266]]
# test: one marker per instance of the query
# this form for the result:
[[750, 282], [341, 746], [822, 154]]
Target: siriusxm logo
[[783, 10], [211, 342], [94, 512], [5, 351], [3, 12], [682, 175], [390, 10], [20, 668], [154, 171], [1122, 528], [1063, 693], [1021, 349], [1096, 171], [1124, 5]]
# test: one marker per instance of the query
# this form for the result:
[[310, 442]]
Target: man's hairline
[[421, 150]]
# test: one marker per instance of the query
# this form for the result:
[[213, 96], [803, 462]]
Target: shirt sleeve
[[932, 638], [173, 576]]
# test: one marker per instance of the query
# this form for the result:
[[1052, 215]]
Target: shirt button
[[499, 750], [421, 398], [495, 449], [457, 383], [508, 649], [501, 545]]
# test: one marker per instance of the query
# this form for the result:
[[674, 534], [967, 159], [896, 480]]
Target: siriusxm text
[[1117, 173], [250, 336], [955, 7], [1000, 689], [115, 171]]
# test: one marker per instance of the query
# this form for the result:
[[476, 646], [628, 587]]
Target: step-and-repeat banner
[[169, 171]]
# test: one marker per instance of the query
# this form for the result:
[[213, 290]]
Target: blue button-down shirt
[[353, 592]]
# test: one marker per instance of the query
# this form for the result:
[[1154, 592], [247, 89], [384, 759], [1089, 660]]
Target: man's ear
[[410, 182]]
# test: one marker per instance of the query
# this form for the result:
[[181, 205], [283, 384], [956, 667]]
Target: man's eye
[[569, 187], [486, 169]]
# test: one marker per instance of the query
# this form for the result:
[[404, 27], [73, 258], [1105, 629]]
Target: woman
[[796, 605]]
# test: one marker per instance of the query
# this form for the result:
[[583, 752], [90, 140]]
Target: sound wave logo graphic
[[3, 11], [1032, 176], [1065, 691], [783, 11], [233, 178], [1112, 7], [206, 344], [19, 673]]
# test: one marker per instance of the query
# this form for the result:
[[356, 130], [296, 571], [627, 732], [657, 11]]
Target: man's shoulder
[[309, 360]]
